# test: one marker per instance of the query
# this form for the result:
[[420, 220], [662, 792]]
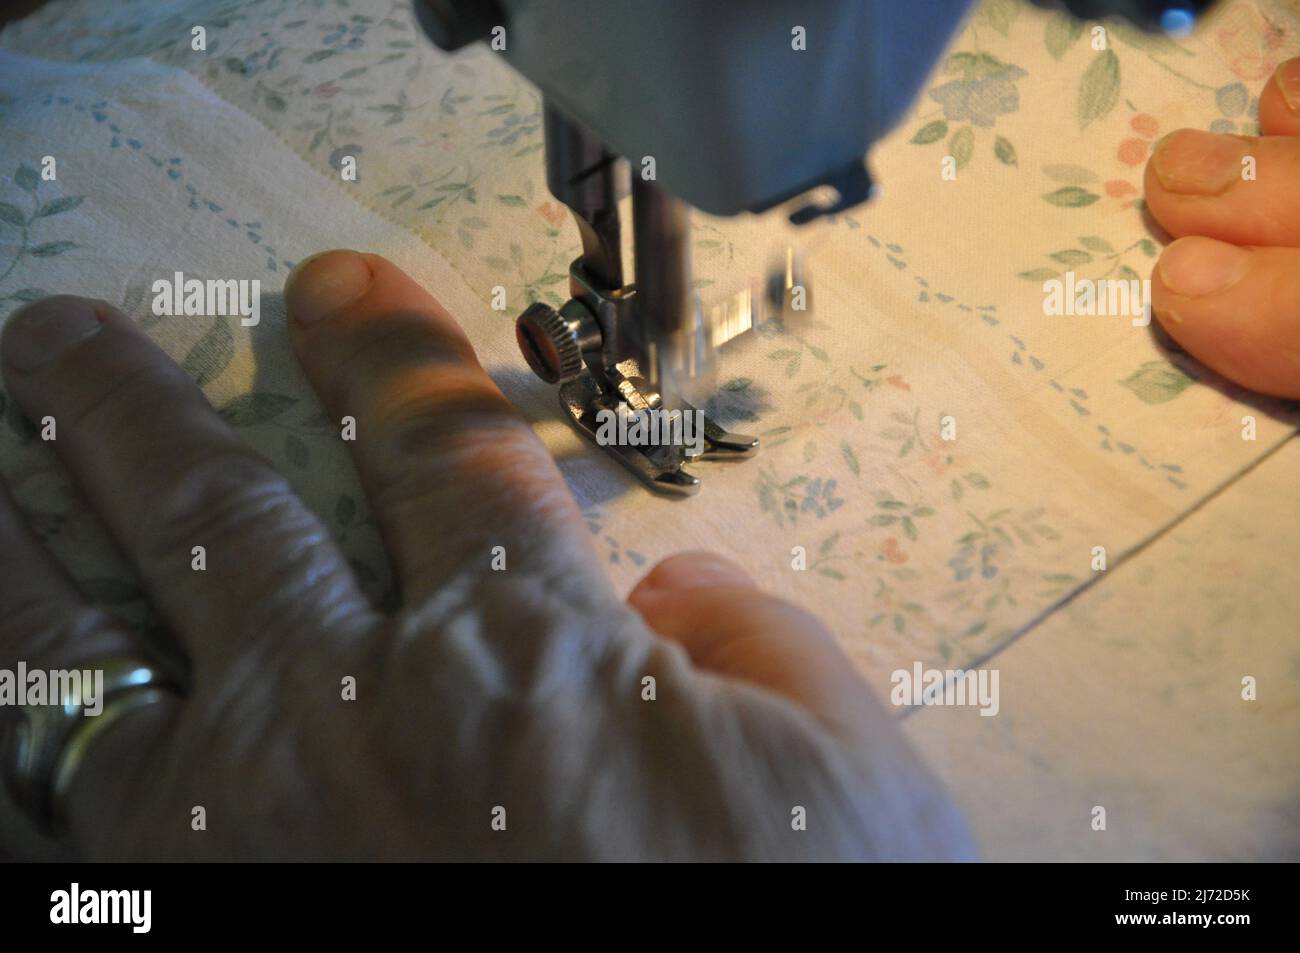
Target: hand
[[519, 689], [1228, 289]]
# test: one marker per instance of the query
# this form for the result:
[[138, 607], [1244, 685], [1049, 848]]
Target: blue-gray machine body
[[741, 105]]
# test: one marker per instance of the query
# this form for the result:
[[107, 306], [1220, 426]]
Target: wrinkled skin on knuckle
[[231, 501], [512, 696], [547, 719], [212, 495], [306, 592]]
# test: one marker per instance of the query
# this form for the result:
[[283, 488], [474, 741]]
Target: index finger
[[451, 469]]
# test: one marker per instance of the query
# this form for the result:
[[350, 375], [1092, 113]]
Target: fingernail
[[38, 333], [1196, 267], [1288, 81], [1192, 162], [325, 284]]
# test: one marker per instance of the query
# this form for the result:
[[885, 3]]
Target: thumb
[[729, 627]]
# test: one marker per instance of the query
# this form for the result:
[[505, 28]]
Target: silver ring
[[47, 743]]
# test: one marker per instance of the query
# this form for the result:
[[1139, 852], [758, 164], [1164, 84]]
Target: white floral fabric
[[1071, 432]]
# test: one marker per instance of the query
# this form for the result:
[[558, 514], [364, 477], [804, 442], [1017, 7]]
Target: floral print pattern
[[917, 546]]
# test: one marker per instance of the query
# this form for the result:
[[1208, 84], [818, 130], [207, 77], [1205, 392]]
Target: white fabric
[[1072, 433]]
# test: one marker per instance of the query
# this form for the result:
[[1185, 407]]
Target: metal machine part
[[781, 124], [741, 107], [616, 347]]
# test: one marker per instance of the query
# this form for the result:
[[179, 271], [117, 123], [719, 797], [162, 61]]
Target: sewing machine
[[725, 106]]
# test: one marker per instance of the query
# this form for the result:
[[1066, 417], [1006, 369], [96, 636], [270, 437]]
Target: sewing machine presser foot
[[568, 347]]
